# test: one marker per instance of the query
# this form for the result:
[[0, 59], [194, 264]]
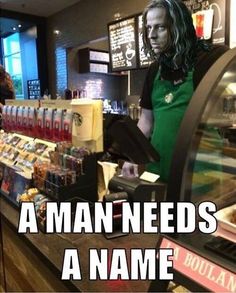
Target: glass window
[[215, 161], [12, 62]]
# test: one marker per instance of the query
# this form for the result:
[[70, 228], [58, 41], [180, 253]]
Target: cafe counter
[[33, 262]]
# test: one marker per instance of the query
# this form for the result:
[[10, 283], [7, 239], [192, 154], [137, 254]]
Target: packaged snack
[[41, 122], [32, 122], [4, 117], [25, 120], [8, 118], [14, 118], [32, 192], [49, 113], [67, 126], [20, 119], [57, 125], [24, 197]]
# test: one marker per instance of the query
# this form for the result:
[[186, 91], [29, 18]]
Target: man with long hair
[[180, 60]]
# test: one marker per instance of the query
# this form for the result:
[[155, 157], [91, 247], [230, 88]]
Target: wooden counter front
[[2, 282], [33, 262]]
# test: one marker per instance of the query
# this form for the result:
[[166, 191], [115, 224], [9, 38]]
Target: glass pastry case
[[204, 169]]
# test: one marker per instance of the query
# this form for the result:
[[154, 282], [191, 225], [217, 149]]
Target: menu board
[[144, 60], [96, 67], [99, 56], [219, 8], [122, 40], [196, 5], [219, 23], [34, 91]]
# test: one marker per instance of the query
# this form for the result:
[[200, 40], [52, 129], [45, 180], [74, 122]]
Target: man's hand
[[129, 170]]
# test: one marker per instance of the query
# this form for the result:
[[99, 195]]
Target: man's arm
[[145, 122]]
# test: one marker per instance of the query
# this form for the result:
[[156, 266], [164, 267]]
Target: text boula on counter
[[181, 217]]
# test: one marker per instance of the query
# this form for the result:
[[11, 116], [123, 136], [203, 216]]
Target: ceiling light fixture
[[56, 32], [14, 28], [19, 25], [117, 16]]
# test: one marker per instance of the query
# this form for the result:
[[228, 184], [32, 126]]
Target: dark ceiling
[[7, 25], [11, 11], [43, 8]]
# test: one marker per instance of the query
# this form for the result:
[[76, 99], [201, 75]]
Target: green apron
[[169, 103]]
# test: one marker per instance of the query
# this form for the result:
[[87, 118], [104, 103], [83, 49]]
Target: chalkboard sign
[[196, 5], [91, 60], [34, 90], [144, 60], [123, 44], [96, 55], [219, 21]]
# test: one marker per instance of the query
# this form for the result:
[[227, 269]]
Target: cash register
[[134, 146]]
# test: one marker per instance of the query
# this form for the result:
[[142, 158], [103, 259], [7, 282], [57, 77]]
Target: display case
[[204, 169]]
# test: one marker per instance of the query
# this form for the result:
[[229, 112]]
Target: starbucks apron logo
[[78, 119], [169, 98]]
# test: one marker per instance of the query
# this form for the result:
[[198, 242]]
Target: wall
[[78, 25], [106, 86], [29, 64], [2, 275]]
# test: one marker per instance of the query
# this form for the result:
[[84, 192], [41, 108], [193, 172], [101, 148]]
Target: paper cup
[[82, 125]]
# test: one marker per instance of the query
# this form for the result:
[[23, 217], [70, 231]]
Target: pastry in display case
[[227, 218], [204, 170]]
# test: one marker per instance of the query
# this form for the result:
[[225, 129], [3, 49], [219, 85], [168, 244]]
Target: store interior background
[[51, 36], [58, 38]]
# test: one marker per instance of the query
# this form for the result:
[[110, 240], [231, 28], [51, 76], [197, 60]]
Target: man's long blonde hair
[[182, 32]]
